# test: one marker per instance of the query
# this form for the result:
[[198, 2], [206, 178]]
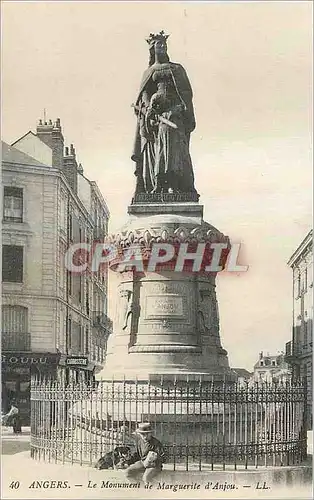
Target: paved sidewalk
[[37, 480], [7, 432], [23, 477]]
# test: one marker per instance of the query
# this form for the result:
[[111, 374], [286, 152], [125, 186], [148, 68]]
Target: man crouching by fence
[[148, 457]]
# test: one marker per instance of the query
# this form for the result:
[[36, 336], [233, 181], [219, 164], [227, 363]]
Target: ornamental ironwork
[[200, 423]]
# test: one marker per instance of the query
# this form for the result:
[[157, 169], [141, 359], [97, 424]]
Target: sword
[[162, 119]]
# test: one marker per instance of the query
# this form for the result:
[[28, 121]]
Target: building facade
[[243, 375], [299, 350], [271, 368], [53, 321]]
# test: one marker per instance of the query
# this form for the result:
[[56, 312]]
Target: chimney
[[70, 167], [261, 355], [51, 134]]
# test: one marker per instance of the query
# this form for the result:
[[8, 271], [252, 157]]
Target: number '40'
[[15, 485]]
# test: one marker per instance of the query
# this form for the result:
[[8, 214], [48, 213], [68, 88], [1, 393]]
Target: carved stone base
[[167, 322]]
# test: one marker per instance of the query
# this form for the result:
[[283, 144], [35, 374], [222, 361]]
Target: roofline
[[22, 137], [31, 158], [35, 169], [94, 185], [31, 165], [304, 245], [100, 195]]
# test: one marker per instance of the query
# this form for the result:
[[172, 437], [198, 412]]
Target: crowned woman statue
[[165, 119]]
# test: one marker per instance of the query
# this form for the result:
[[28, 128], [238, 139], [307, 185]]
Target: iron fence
[[201, 423]]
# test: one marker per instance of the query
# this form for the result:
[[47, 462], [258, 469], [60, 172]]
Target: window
[[303, 370], [86, 341], [12, 264], [87, 298], [76, 233], [14, 319], [62, 269], [297, 284], [303, 281], [273, 363], [13, 204], [69, 333], [262, 363], [15, 334], [70, 227], [69, 282], [63, 213], [305, 340], [80, 289], [310, 274], [81, 339]]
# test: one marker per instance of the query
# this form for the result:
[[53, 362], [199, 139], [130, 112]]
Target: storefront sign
[[76, 361], [18, 359]]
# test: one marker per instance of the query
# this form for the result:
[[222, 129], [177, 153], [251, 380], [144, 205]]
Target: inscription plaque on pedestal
[[164, 306]]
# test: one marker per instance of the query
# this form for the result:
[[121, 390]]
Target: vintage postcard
[[157, 266]]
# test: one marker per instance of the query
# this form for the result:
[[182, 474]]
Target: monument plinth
[[168, 321]]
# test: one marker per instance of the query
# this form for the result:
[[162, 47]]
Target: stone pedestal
[[167, 321]]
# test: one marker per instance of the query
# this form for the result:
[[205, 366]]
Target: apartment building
[[271, 368], [299, 350], [53, 321]]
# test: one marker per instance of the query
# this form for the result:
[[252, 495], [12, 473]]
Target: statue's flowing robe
[[171, 146]]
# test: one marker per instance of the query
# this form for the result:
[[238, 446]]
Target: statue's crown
[[158, 36]]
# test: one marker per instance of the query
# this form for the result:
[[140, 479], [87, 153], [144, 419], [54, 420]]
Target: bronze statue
[[165, 120]]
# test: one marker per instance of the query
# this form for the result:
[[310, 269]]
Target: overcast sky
[[250, 68]]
